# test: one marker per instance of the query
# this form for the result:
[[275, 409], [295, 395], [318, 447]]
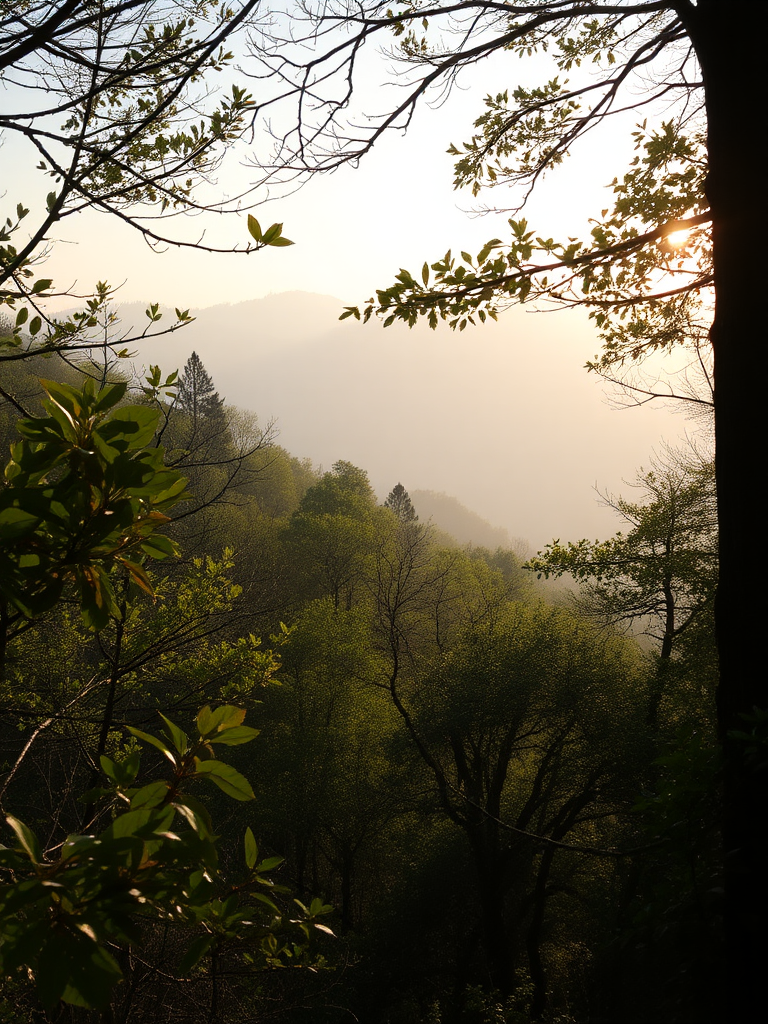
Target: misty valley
[[467, 794]]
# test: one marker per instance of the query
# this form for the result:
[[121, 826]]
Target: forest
[[463, 801], [276, 749]]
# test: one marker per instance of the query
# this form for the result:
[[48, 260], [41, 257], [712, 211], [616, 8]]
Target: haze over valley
[[503, 418]]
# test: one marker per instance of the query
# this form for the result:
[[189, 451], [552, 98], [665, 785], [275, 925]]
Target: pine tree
[[197, 395], [400, 503]]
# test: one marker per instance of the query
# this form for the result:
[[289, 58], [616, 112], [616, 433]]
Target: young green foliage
[[84, 495], [63, 911]]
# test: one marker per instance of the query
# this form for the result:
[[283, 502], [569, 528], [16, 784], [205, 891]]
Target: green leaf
[[197, 950], [140, 823], [272, 232], [266, 900], [254, 227], [151, 795], [177, 736], [251, 849], [269, 864], [138, 575], [27, 839], [77, 844], [233, 737], [226, 717], [159, 547], [127, 769], [228, 779], [16, 523], [134, 425], [109, 396], [196, 813], [97, 597], [148, 738], [109, 767], [66, 397], [77, 971]]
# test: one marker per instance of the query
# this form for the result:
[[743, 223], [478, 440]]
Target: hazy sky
[[513, 426], [355, 228]]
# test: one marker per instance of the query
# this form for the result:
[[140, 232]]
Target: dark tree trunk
[[730, 41], [491, 873], [347, 869], [535, 934]]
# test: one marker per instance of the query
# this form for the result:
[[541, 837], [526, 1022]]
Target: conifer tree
[[197, 395], [399, 502]]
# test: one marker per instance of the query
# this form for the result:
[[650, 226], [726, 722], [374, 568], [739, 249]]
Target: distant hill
[[236, 335], [504, 417], [451, 516]]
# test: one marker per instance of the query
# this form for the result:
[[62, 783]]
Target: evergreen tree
[[399, 501], [197, 394]]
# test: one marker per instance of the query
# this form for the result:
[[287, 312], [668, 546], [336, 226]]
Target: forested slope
[[481, 785]]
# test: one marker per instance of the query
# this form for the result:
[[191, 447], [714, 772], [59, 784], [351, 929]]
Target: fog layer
[[503, 417]]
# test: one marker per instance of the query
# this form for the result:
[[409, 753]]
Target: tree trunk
[[490, 883], [535, 933], [730, 42]]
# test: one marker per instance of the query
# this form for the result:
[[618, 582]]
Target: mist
[[503, 417]]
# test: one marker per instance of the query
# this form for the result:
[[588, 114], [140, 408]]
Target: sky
[[504, 418], [353, 229]]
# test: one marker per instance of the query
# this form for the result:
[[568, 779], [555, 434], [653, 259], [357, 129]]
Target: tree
[[333, 790], [399, 501], [332, 533], [106, 101], [197, 395], [84, 495], [66, 913], [661, 576], [693, 174], [507, 721]]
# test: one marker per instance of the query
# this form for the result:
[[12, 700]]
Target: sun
[[674, 239]]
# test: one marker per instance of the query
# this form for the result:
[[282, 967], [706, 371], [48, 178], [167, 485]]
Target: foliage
[[660, 578], [454, 770], [334, 789], [647, 263], [61, 913], [332, 534], [627, 275], [85, 497], [84, 494], [665, 567], [673, 925]]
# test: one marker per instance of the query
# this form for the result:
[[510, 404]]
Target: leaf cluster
[[84, 494], [157, 862]]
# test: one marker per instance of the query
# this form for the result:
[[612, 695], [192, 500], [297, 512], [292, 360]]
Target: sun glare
[[675, 240]]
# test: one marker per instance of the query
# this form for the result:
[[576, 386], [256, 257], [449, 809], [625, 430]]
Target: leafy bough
[[65, 914]]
